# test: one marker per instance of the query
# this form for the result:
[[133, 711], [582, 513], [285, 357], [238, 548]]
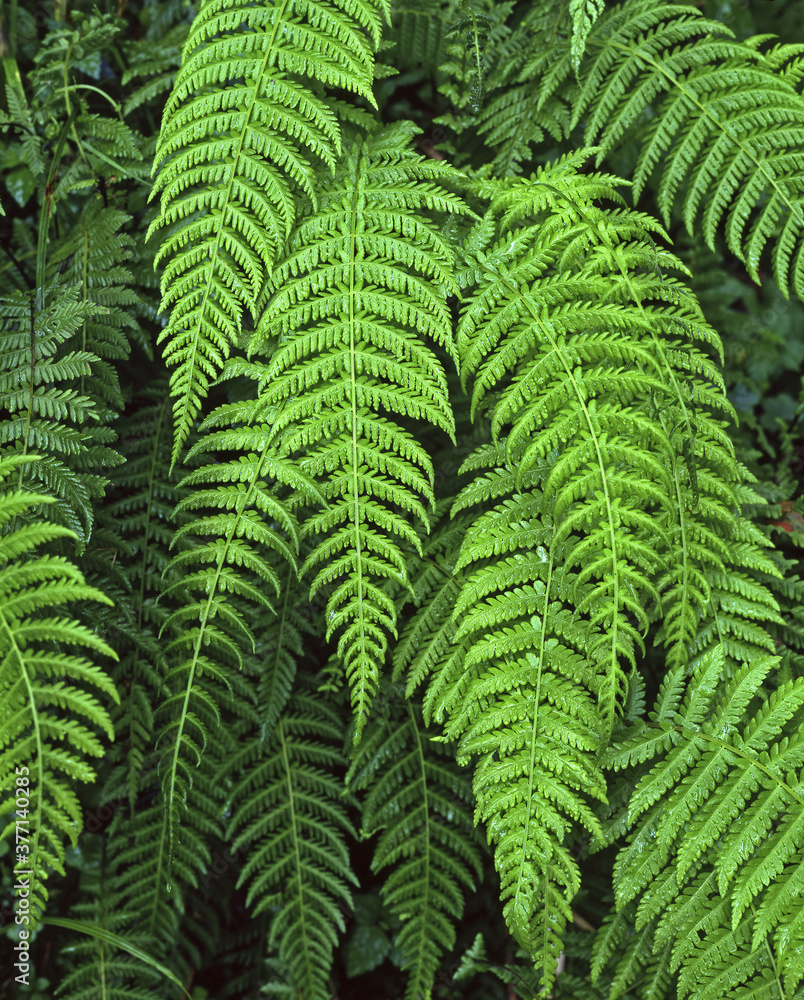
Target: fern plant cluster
[[399, 522]]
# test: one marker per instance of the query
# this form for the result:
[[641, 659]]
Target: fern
[[223, 566], [51, 717], [363, 284], [715, 129], [574, 497], [412, 790], [728, 824], [466, 476], [229, 201], [286, 807], [47, 413]]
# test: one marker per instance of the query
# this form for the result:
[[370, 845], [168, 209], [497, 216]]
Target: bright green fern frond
[[243, 127], [722, 123], [358, 296], [525, 705], [287, 809], [720, 831], [609, 501], [413, 787], [50, 718]]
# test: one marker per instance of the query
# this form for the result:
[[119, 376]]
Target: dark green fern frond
[[41, 369], [418, 31], [243, 127], [287, 808], [356, 303], [93, 257], [520, 52], [142, 504], [49, 716], [220, 579], [417, 802]]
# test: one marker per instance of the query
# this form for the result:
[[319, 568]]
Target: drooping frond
[[356, 303], [725, 124], [517, 37], [243, 129], [219, 580], [287, 809], [93, 257], [50, 717], [418, 802], [142, 504], [582, 353]]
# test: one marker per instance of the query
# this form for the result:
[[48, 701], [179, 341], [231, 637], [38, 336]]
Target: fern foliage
[[717, 818], [413, 788], [460, 509], [233, 156], [577, 550], [287, 810], [357, 306], [724, 128], [53, 721], [219, 579]]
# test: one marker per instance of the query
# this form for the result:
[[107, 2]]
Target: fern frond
[[725, 126], [242, 129], [50, 715], [38, 351], [605, 481], [413, 788], [720, 813], [354, 302], [287, 808], [228, 569]]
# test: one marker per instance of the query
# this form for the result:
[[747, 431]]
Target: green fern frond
[[725, 126], [94, 257], [355, 300], [50, 718], [413, 786], [228, 567], [584, 13], [252, 78], [606, 481], [719, 813], [141, 506], [42, 367], [418, 32], [427, 650], [287, 808]]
